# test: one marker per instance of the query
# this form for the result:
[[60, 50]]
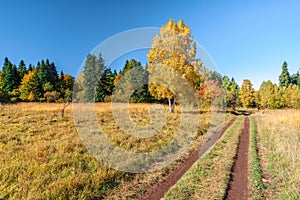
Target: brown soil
[[238, 185], [158, 191]]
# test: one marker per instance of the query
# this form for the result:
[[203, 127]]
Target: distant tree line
[[284, 95], [97, 83], [269, 95], [40, 83]]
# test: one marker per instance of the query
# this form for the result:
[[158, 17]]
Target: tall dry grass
[[279, 143], [42, 155]]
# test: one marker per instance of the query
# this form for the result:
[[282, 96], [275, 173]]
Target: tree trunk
[[171, 105], [63, 109], [63, 112]]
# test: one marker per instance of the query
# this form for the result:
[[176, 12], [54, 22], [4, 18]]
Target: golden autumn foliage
[[174, 48], [118, 77], [211, 93], [247, 94], [31, 97], [28, 87]]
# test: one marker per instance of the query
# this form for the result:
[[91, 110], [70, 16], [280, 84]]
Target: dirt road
[[238, 185], [158, 191]]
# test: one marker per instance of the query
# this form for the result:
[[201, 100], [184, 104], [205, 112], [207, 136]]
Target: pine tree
[[294, 78], [284, 78], [47, 77], [93, 69], [52, 75], [11, 78], [22, 70], [3, 96], [41, 75], [30, 67], [130, 82], [105, 85]]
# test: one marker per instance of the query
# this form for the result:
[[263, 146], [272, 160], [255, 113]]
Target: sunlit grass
[[255, 172], [279, 139], [42, 155]]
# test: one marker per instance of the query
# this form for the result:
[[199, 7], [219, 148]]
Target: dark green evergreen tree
[[115, 73], [52, 76], [3, 95], [30, 67], [10, 77], [105, 85], [22, 69], [41, 76], [92, 72], [134, 85], [284, 78], [46, 76], [294, 78]]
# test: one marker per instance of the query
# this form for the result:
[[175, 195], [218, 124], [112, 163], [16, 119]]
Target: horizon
[[247, 40]]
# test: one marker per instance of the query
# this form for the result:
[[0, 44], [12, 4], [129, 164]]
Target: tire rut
[[158, 190], [238, 187]]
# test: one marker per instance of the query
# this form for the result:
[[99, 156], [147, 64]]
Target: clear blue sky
[[246, 39]]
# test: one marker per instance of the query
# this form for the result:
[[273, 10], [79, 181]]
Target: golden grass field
[[279, 148], [42, 155]]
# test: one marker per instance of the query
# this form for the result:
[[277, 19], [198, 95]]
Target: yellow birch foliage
[[28, 87], [247, 94], [173, 48]]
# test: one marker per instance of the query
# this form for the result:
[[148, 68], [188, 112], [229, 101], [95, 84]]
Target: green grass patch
[[256, 175]]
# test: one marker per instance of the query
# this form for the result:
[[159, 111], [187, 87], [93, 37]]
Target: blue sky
[[245, 39]]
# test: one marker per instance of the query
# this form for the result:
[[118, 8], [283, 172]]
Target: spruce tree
[[294, 78], [10, 79], [53, 75], [30, 67], [22, 69], [284, 78], [3, 96], [41, 75], [105, 85], [93, 69]]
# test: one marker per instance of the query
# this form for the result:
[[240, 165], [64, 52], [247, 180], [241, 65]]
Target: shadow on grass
[[240, 112]]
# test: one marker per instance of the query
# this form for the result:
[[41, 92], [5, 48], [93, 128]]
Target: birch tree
[[173, 48]]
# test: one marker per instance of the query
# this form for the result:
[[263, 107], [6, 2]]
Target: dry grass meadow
[[42, 156], [279, 149]]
